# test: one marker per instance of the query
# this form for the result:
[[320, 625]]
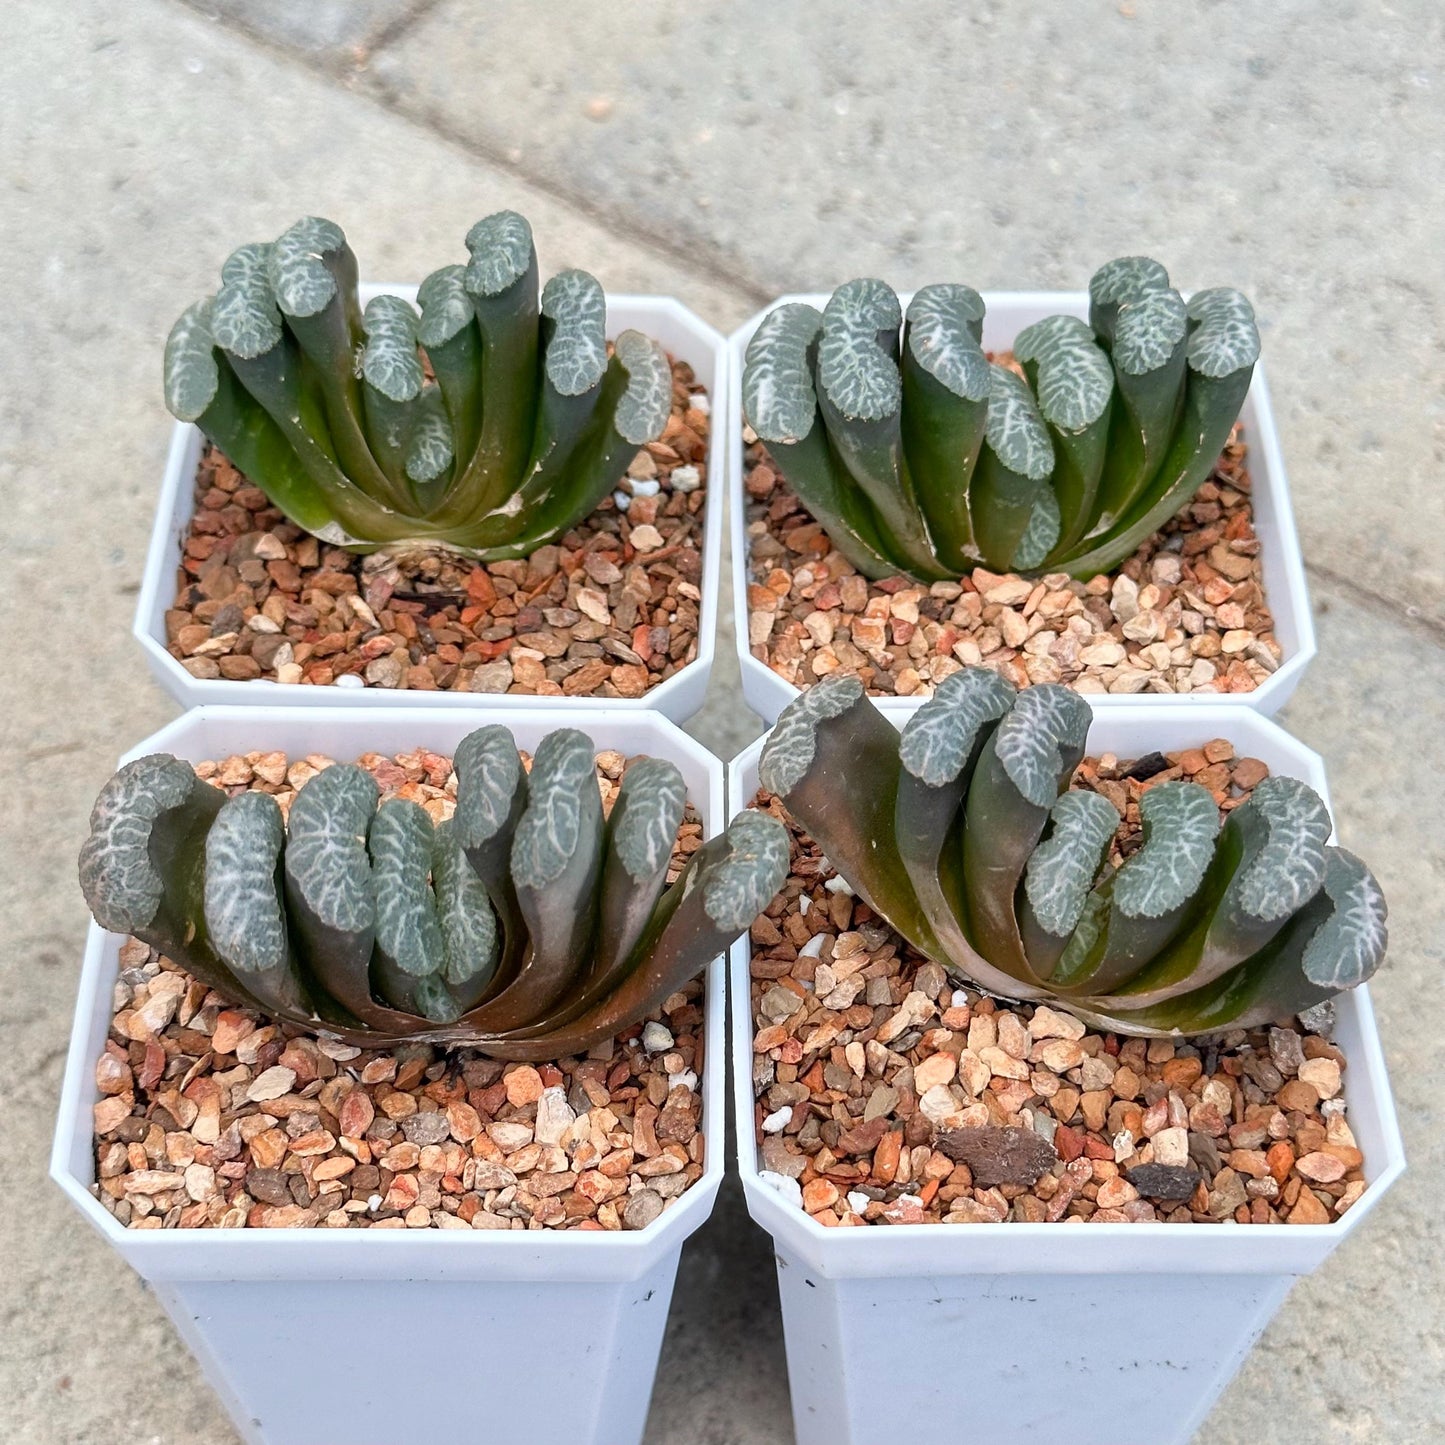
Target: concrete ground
[[723, 153]]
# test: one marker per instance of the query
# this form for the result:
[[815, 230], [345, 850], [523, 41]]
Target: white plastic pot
[[681, 333], [1013, 1333], [1008, 313], [336, 1336]]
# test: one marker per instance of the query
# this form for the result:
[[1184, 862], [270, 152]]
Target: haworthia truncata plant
[[920, 458], [523, 427], [964, 833], [527, 925]]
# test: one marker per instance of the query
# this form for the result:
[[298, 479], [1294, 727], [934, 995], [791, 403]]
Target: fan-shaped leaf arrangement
[[524, 425], [919, 456], [526, 925], [963, 833]]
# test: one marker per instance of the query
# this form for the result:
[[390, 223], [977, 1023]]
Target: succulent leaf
[[401, 847], [429, 451], [446, 306], [791, 747], [389, 361], [547, 837], [326, 858], [944, 324], [489, 777], [1181, 821], [244, 318], [1074, 380], [576, 354], [501, 253], [745, 882], [1349, 945], [1046, 724], [1224, 338], [778, 396], [300, 279], [121, 879], [1016, 432], [1149, 330], [245, 912], [647, 814], [192, 377], [464, 913], [858, 375], [940, 738], [1063, 867], [643, 409]]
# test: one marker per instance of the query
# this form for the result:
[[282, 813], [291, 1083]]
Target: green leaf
[[576, 352], [329, 894], [501, 279], [1269, 863], [1335, 942], [726, 884], [392, 381], [1153, 894], [823, 743], [946, 386], [1060, 873], [1074, 384], [245, 913], [1149, 363], [860, 392], [781, 405], [429, 453], [938, 750], [556, 866], [1023, 768], [640, 837], [491, 798], [1013, 470], [192, 372], [1211, 406], [244, 318], [448, 332], [1128, 278], [470, 942], [409, 947]]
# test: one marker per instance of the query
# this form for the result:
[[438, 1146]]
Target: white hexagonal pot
[[1008, 313], [289, 1325], [681, 333], [1016, 1333]]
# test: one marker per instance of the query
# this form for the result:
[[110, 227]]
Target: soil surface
[[888, 1095], [608, 611], [1185, 614], [211, 1116]]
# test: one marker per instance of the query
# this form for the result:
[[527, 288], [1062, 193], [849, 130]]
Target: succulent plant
[[963, 833], [523, 426], [918, 455], [526, 925]]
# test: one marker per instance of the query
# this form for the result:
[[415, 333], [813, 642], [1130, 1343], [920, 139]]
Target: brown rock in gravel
[[1164, 1181], [998, 1156]]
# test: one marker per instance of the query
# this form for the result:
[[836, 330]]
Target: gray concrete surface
[[722, 152]]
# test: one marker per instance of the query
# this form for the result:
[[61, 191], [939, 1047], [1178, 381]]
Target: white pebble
[[839, 884], [959, 999], [622, 499], [685, 479], [374, 1202], [656, 1038], [685, 1080], [643, 488], [789, 1188], [348, 679], [804, 904], [777, 1121], [699, 401], [813, 948], [858, 1202]]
